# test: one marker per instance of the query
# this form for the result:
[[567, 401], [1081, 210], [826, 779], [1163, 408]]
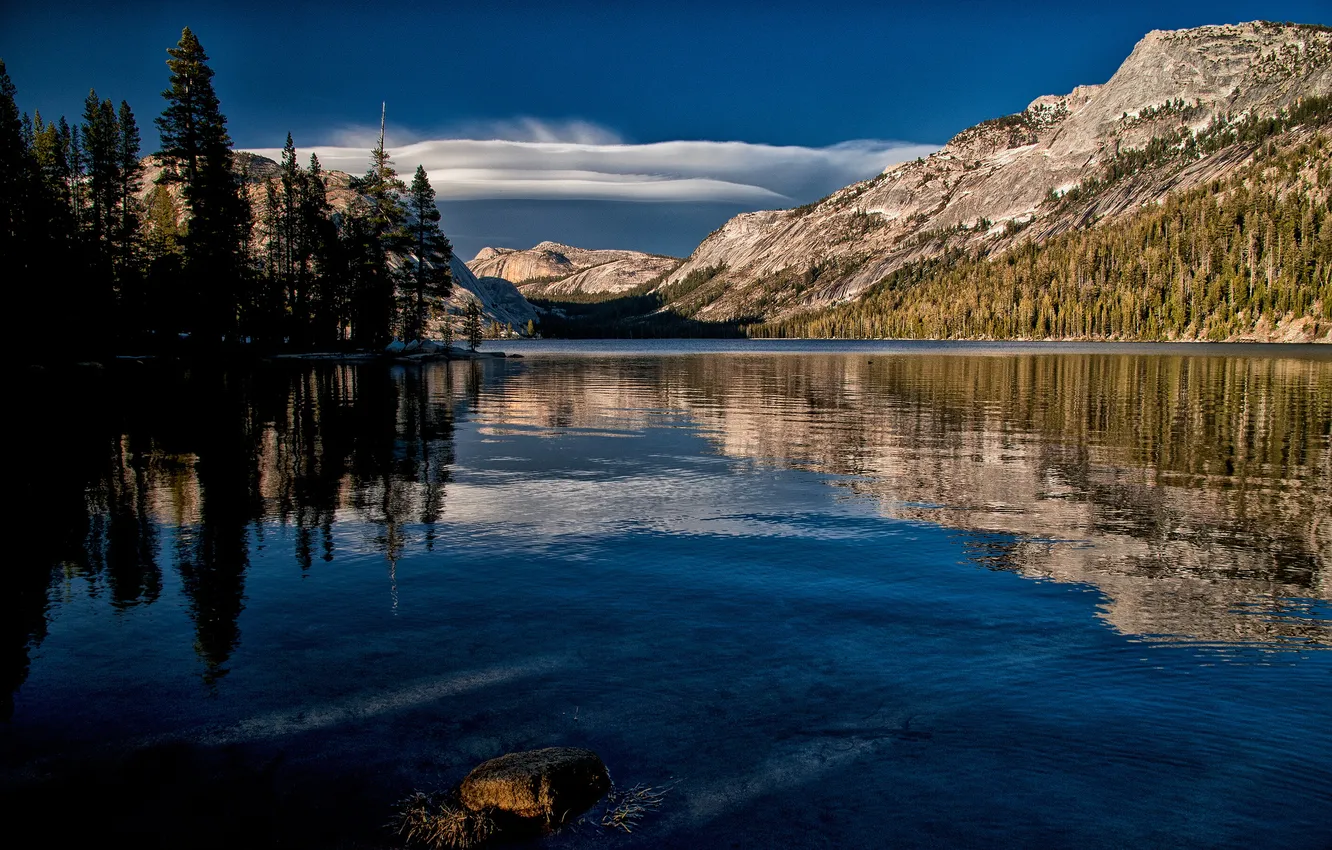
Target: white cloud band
[[581, 161]]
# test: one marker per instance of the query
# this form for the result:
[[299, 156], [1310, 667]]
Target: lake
[[830, 595]]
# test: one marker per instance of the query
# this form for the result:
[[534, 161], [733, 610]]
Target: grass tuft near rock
[[441, 821], [624, 809]]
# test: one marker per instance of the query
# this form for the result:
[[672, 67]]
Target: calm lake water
[[835, 595]]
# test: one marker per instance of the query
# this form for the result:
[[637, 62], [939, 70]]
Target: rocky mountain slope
[[1166, 121], [554, 270], [500, 300]]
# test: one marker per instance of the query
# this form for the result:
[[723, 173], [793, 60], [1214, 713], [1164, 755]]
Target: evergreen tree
[[196, 152], [431, 253], [101, 139], [267, 319], [446, 329], [50, 153], [16, 180], [375, 230], [472, 324], [318, 258], [129, 172], [290, 177], [73, 146], [13, 163]]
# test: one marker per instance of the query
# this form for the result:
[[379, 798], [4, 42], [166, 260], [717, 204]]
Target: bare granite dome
[[553, 269]]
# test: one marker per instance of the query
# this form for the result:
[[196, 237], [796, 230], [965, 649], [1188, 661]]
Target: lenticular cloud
[[529, 159]]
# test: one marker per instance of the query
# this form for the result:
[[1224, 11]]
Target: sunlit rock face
[[997, 184], [552, 269], [500, 300]]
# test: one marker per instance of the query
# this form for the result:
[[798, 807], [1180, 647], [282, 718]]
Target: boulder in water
[[554, 784]]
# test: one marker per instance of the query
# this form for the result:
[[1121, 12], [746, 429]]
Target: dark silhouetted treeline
[[200, 251]]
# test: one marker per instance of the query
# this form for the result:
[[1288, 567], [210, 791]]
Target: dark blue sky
[[809, 74]]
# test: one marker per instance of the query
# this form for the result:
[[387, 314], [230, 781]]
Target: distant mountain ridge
[[1165, 122], [552, 269]]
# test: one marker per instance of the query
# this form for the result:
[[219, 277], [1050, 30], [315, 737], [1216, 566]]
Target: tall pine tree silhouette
[[431, 253], [196, 152], [376, 229]]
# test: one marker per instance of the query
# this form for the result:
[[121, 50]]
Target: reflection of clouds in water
[[710, 501]]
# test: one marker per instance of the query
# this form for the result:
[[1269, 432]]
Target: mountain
[[1187, 110], [501, 302], [554, 270]]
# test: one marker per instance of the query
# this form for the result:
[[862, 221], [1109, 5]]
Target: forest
[[1213, 263], [207, 255]]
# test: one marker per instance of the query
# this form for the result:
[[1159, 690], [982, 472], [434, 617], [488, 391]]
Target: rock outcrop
[[552, 269], [500, 300], [1002, 181], [552, 784]]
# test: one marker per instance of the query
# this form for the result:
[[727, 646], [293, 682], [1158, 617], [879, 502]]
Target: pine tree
[[472, 324], [73, 146], [13, 164], [288, 219], [196, 152], [430, 274], [16, 179], [318, 257], [101, 139], [377, 226], [129, 172]]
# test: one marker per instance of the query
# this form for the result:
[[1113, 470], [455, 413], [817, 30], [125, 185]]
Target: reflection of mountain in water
[[1192, 491]]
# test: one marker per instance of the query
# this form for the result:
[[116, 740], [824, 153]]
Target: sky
[[600, 124]]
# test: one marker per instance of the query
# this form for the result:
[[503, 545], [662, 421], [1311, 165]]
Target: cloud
[[575, 160]]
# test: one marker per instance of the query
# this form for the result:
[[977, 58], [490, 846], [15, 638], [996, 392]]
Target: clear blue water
[[835, 595]]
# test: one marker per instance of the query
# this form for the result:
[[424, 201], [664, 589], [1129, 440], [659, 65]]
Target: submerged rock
[[554, 783]]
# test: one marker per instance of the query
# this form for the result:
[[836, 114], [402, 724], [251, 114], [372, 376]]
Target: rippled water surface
[[841, 596]]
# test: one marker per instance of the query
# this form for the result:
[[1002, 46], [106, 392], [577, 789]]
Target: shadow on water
[[1190, 492], [207, 455]]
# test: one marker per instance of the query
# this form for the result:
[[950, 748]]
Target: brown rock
[[554, 783]]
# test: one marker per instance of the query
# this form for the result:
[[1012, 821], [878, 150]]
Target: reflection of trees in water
[[1202, 482], [206, 459]]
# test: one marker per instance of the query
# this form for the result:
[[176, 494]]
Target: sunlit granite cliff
[[552, 269], [1094, 155]]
